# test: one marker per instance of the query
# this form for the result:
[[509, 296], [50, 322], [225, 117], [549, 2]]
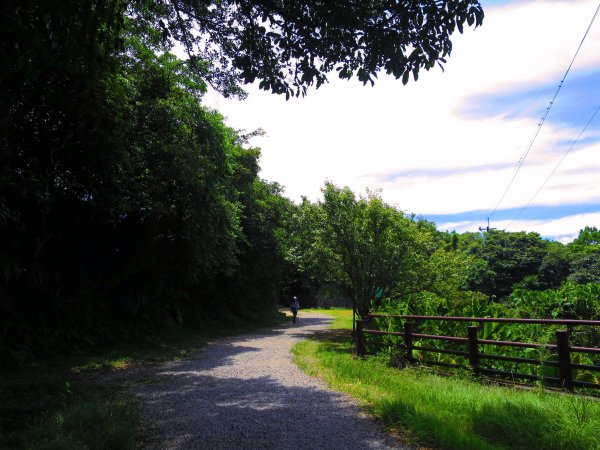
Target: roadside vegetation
[[129, 211], [128, 208], [452, 412], [386, 261], [342, 317], [79, 402], [54, 408]]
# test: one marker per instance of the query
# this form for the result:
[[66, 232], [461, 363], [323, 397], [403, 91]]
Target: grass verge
[[342, 318], [65, 402], [456, 412]]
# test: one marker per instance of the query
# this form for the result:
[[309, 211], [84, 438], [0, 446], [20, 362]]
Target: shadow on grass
[[447, 420], [523, 427], [515, 425], [56, 409], [429, 429], [335, 337]]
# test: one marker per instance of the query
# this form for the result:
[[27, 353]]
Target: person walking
[[294, 308]]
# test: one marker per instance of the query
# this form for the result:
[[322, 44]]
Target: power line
[[543, 119], [555, 167]]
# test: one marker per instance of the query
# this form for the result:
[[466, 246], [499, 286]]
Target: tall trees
[[585, 254], [510, 258], [588, 236], [59, 153], [122, 201], [369, 246], [555, 267], [124, 205]]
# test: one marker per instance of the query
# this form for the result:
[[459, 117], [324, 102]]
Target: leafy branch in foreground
[[289, 45]]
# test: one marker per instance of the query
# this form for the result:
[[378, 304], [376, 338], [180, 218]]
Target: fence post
[[408, 341], [360, 338], [564, 358], [473, 348]]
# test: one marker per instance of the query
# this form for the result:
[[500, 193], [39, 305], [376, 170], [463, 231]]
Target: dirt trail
[[245, 392]]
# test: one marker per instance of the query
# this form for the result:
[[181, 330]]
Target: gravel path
[[245, 392]]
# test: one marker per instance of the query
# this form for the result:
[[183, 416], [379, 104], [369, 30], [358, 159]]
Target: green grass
[[342, 317], [59, 403], [455, 412], [51, 407]]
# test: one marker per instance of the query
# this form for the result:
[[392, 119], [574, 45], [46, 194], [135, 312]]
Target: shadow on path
[[205, 412], [244, 392]]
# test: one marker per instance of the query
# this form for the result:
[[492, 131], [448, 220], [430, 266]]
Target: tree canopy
[[125, 206], [290, 45], [371, 239], [510, 257], [360, 242], [286, 45]]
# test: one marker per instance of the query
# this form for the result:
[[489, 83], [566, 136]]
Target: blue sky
[[447, 146], [575, 103], [530, 213]]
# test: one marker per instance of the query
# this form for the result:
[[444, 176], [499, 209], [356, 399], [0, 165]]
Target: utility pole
[[486, 229]]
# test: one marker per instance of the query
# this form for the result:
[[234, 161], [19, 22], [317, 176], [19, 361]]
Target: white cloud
[[360, 136], [525, 43]]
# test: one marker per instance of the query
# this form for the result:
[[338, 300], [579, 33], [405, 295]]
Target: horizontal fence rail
[[472, 352]]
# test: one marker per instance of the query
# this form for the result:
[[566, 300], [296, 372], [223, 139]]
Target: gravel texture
[[245, 392]]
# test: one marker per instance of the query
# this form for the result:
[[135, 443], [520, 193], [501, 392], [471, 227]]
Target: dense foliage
[[377, 251], [125, 205], [516, 275], [394, 263]]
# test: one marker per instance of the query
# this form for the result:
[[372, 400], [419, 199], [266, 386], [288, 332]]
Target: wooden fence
[[472, 352]]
